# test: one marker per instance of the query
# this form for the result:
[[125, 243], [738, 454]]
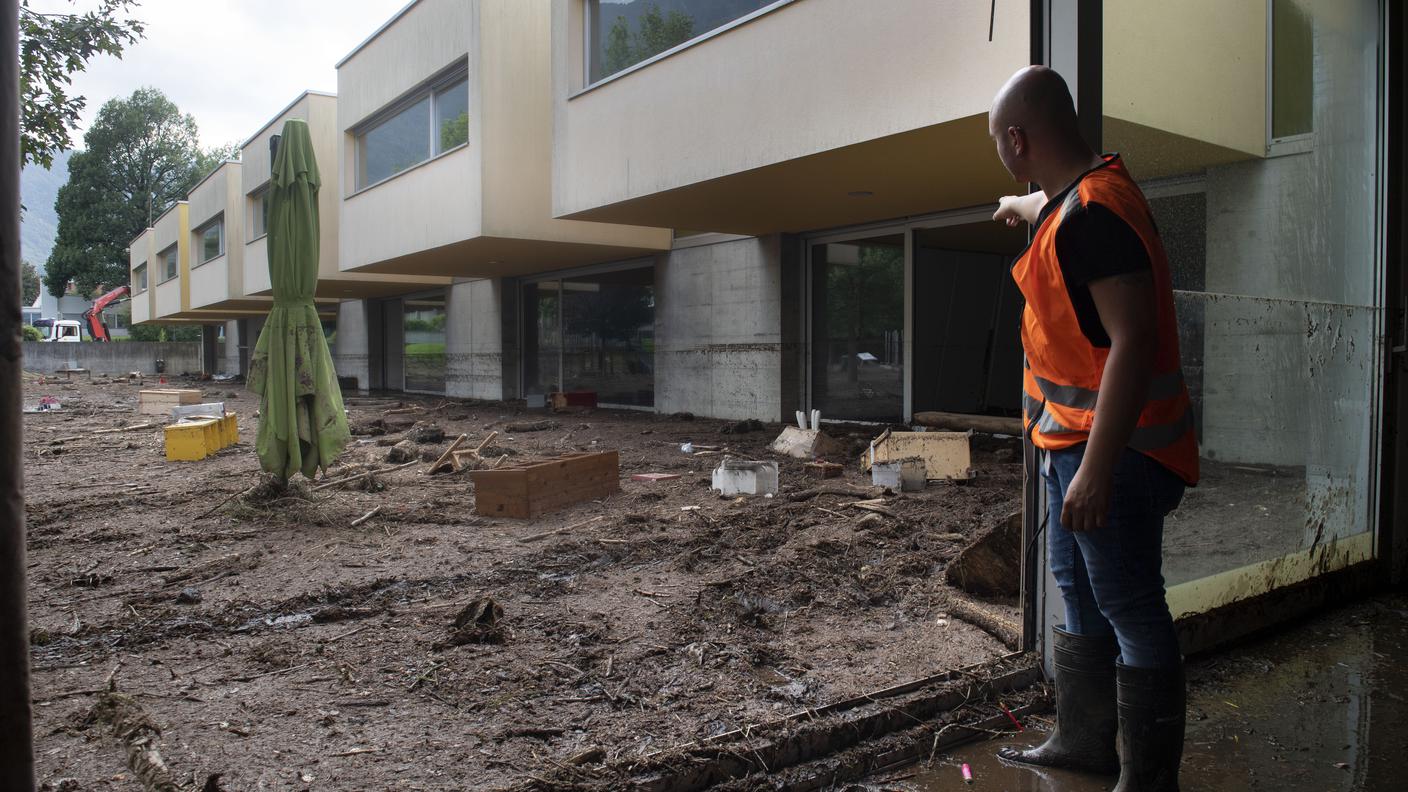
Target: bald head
[[1037, 100], [1033, 123]]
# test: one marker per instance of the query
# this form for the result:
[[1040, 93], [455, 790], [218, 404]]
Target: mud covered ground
[[276, 645]]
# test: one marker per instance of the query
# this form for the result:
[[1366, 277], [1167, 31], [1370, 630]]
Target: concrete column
[[719, 330], [209, 365], [350, 352], [474, 358], [233, 340]]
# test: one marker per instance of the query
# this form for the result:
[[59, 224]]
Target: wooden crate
[[946, 455], [533, 488], [160, 401]]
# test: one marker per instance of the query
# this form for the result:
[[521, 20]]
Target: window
[[139, 278], [622, 34], [431, 123], [168, 263], [1292, 63], [212, 240], [259, 213]]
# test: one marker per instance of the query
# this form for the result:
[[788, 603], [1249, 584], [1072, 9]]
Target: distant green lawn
[[426, 349]]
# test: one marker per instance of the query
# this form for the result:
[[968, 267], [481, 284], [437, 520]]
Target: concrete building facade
[[786, 205]]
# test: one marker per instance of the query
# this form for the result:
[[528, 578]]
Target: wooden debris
[[990, 566], [959, 422], [805, 444], [160, 401], [139, 736], [946, 455], [823, 470], [365, 517], [568, 529], [840, 490], [445, 458], [874, 506], [990, 621], [361, 475], [534, 488], [225, 563], [533, 426]]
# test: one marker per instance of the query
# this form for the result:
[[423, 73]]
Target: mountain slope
[[39, 188]]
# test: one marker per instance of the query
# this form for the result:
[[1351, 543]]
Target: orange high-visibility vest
[[1061, 384]]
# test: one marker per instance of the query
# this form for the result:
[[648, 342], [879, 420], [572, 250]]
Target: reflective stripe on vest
[[1063, 369]]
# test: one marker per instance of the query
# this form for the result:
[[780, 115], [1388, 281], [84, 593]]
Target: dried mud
[[273, 644]]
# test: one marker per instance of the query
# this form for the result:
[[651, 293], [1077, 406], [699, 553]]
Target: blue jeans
[[1112, 578]]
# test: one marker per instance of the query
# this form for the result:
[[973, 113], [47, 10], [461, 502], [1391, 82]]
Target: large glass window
[[626, 32], [434, 122], [452, 116], [212, 240], [259, 213], [168, 263], [592, 333], [139, 278], [1292, 69], [1275, 268], [424, 326], [858, 328]]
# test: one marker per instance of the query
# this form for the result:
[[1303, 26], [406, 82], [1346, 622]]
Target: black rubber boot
[[1152, 707], [1084, 737]]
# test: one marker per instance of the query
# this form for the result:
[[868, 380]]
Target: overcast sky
[[233, 64]]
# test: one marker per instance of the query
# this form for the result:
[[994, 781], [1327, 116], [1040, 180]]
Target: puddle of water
[[1322, 707]]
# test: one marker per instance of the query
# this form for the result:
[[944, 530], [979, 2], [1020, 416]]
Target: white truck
[[61, 330]]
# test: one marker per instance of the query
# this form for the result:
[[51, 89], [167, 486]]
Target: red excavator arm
[[94, 316]]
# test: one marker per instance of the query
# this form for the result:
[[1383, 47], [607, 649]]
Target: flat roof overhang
[[358, 286], [499, 257], [327, 309], [933, 169]]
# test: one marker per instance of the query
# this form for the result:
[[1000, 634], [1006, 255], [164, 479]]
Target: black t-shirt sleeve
[[1095, 243]]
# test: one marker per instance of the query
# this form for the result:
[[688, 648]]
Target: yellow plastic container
[[191, 440]]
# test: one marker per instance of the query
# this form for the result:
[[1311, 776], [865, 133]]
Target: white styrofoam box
[[744, 477]]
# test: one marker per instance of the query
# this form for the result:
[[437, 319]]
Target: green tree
[[618, 47], [53, 47], [152, 332], [29, 283], [454, 131], [141, 156], [658, 32], [31, 333]]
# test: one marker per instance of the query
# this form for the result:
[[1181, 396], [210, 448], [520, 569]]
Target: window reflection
[[1274, 263]]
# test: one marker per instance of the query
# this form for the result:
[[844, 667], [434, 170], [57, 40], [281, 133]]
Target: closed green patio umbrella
[[302, 424]]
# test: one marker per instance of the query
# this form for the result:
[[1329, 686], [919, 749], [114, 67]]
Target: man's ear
[[1018, 138]]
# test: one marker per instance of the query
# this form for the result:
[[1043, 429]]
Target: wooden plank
[[533, 488], [946, 455], [961, 422]]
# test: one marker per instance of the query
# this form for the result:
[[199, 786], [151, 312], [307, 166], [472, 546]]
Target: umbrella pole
[[17, 745]]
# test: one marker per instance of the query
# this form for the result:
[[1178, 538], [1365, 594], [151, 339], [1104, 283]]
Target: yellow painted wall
[[515, 124], [172, 228], [142, 251], [1195, 68], [499, 185]]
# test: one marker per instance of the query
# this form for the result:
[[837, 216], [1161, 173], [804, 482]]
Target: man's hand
[[1087, 500], [1014, 209]]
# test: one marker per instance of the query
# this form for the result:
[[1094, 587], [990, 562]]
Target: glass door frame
[[444, 291], [907, 228], [1068, 36], [648, 262]]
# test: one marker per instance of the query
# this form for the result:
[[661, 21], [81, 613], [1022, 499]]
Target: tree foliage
[[154, 332], [141, 156], [53, 47], [29, 283], [655, 33]]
